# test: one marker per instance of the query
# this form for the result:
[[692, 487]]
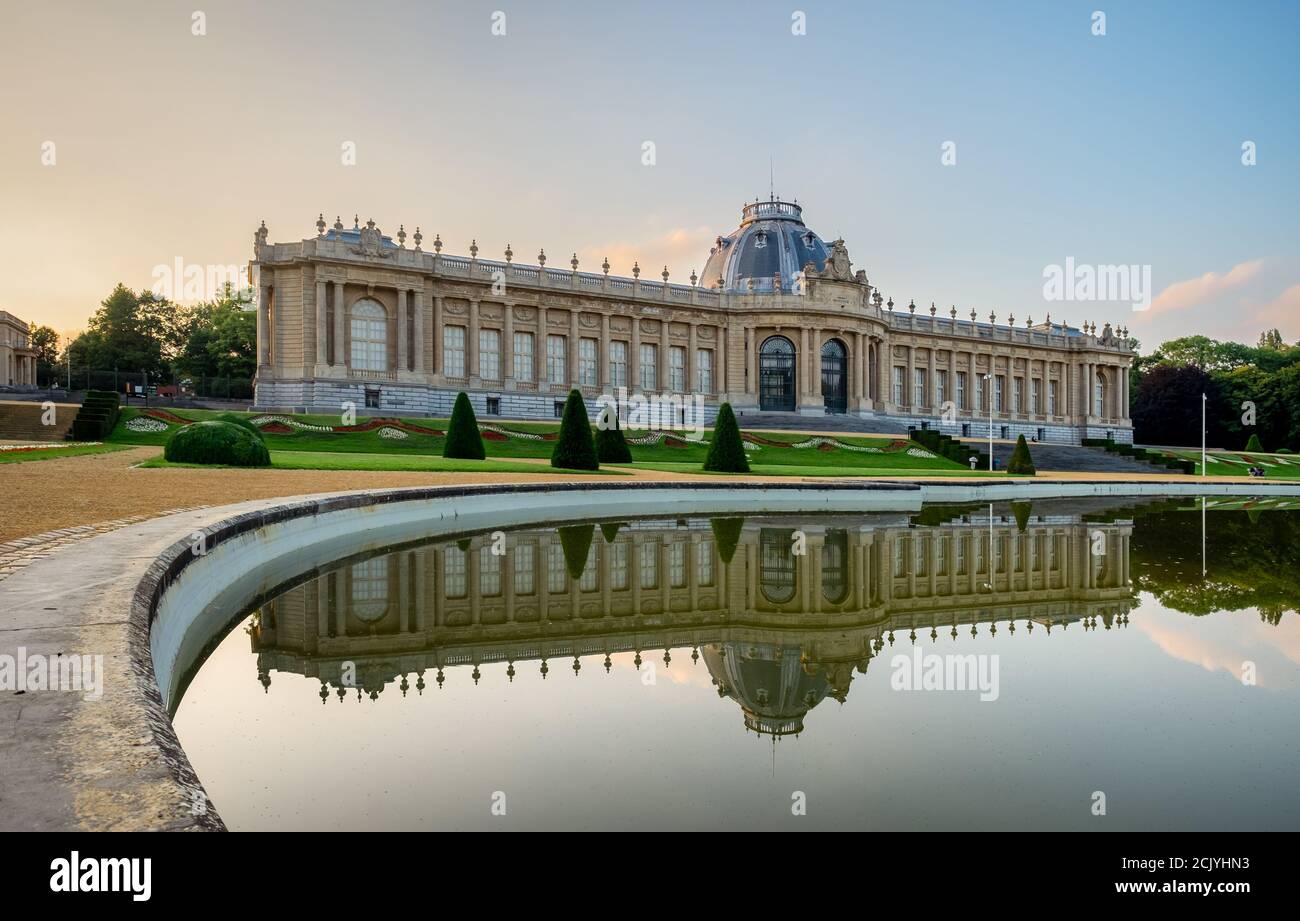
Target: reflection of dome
[[771, 238], [769, 682]]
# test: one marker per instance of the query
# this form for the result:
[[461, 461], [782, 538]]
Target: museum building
[[778, 323]]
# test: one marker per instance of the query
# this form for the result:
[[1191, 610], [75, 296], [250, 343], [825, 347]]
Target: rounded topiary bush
[[574, 449], [727, 451], [463, 438], [244, 422], [216, 443], [1021, 464]]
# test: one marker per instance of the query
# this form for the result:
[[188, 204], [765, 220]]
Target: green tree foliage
[[216, 443], [727, 451], [726, 535], [220, 340], [46, 343], [1020, 464], [609, 531], [1253, 445], [611, 446], [243, 422], [1166, 409], [574, 449], [1022, 511], [463, 438], [575, 540]]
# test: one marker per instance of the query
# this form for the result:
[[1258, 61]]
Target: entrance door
[[776, 375], [835, 379]]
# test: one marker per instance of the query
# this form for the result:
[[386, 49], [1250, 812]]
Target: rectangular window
[[557, 409], [677, 564], [523, 356], [704, 370], [489, 574], [704, 563], [999, 388], [1018, 393], [453, 351], [961, 390], [372, 398], [525, 562], [649, 565], [676, 369], [588, 367], [649, 367], [453, 572], [1051, 398], [489, 354], [618, 364], [557, 574], [618, 580], [590, 580], [980, 400], [940, 387], [898, 386], [918, 387], [1035, 396], [493, 406], [557, 351]]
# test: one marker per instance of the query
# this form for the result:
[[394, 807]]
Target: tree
[[1253, 445], [1021, 464], [574, 449], [46, 343], [611, 446], [726, 535], [220, 340], [1166, 409], [132, 332], [727, 451], [463, 438], [575, 541]]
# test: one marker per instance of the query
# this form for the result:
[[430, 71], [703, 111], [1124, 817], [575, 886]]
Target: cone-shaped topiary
[[726, 534], [575, 540], [216, 443], [609, 530], [463, 438], [727, 452], [464, 544], [1021, 464], [1022, 511], [1254, 445], [574, 449], [611, 446]]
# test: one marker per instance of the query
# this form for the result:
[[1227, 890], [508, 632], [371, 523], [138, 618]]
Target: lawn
[[409, 438], [1237, 463], [75, 450], [757, 469], [352, 460]]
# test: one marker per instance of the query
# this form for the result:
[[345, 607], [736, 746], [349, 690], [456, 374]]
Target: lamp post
[[1204, 400], [988, 389]]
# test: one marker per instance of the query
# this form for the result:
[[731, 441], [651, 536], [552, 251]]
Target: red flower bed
[[276, 428], [163, 415], [494, 436]]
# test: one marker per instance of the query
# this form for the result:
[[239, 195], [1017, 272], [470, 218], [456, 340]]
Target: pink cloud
[[1283, 312], [1184, 294], [682, 249]]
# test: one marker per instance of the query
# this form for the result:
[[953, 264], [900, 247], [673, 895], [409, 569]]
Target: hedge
[[574, 449], [1021, 464], [216, 443], [463, 438], [727, 451]]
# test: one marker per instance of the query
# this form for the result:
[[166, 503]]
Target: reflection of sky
[[1125, 711]]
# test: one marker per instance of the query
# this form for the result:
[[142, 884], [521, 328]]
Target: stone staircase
[[823, 423], [21, 421], [1072, 458]]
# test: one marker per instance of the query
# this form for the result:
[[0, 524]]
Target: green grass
[[1276, 466], [817, 471], [351, 460], [18, 457]]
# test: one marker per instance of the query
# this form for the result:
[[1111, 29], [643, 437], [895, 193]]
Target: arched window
[[776, 375], [835, 566], [777, 575], [369, 336], [835, 376], [370, 589], [1099, 395]]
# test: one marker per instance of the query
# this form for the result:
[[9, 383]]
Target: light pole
[[988, 379], [1204, 400]]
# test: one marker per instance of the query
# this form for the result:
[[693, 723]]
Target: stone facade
[[351, 316], [17, 357]]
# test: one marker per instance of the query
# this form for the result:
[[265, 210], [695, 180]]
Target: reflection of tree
[[726, 531], [1249, 563], [576, 541]]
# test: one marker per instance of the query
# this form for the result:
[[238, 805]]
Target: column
[[471, 345], [540, 352], [322, 337], [634, 357], [909, 392], [854, 370], [508, 343], [435, 363], [340, 353], [661, 374], [750, 383], [573, 347], [692, 372], [815, 385], [401, 330], [721, 364], [419, 305], [602, 371], [264, 326], [803, 363]]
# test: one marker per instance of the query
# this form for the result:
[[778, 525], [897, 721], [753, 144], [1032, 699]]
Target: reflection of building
[[780, 630], [778, 322], [17, 357]]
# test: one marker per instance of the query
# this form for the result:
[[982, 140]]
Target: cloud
[[682, 249], [1194, 291], [1283, 312]]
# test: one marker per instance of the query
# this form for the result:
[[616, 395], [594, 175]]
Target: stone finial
[[510, 254], [664, 273], [776, 282], [890, 305], [931, 308], [694, 278], [1049, 320], [417, 238], [401, 236], [972, 314], [473, 248], [1029, 320], [320, 225], [636, 270], [993, 317], [437, 243], [574, 262], [605, 265], [1011, 319], [911, 306], [541, 258], [262, 232], [356, 222], [722, 282], [338, 222], [953, 313]]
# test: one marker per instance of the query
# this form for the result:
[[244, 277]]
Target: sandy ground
[[40, 496]]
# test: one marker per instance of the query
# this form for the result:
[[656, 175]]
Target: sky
[[130, 142]]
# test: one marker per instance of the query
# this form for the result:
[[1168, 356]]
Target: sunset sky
[[1123, 148]]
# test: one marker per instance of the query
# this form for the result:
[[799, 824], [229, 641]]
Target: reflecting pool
[[1082, 664]]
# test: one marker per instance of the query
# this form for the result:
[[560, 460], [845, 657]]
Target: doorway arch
[[835, 376], [776, 367]]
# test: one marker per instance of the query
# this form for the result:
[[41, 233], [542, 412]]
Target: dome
[[774, 689], [771, 238]]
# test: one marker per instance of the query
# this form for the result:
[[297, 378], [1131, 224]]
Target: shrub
[[216, 443], [609, 530], [463, 438], [727, 452], [575, 541], [1283, 451], [1022, 511], [726, 534], [1254, 445], [242, 421], [611, 446], [574, 449], [1021, 464]]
